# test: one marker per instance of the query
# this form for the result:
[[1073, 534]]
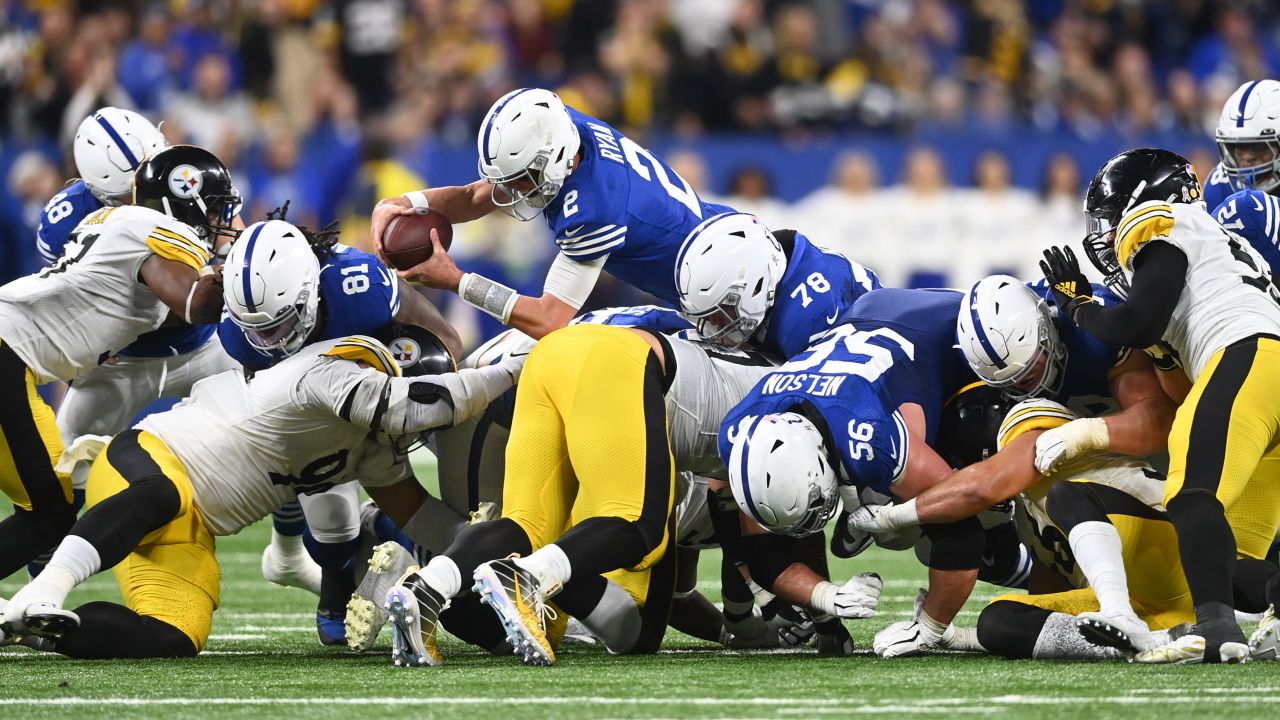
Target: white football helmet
[[271, 286], [527, 145], [727, 273], [108, 147], [1007, 334], [779, 474], [1250, 123]]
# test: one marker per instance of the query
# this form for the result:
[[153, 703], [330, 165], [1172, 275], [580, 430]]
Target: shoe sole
[[1106, 635], [51, 624], [407, 649], [1264, 645], [491, 592], [365, 619]]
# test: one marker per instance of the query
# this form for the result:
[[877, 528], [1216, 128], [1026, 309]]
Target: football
[[407, 240]]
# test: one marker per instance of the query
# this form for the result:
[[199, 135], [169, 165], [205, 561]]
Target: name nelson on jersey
[[819, 385]]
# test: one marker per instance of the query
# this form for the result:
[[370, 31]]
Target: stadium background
[[934, 141]]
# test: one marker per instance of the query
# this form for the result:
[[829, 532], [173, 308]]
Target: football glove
[[833, 638], [1071, 288], [846, 541], [747, 631], [856, 599], [884, 518], [789, 624], [1069, 441]]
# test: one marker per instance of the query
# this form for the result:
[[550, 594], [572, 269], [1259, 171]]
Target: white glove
[[907, 638], [513, 360], [856, 599], [884, 518], [1069, 441]]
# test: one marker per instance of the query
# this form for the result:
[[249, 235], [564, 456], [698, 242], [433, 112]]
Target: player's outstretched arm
[[1146, 417], [459, 203], [1159, 275], [193, 296]]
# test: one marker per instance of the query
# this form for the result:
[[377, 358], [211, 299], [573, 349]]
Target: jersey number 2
[[683, 194]]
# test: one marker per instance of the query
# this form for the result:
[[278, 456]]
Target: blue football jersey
[[1219, 187], [61, 215], [648, 317], [358, 296], [894, 347], [818, 287], [1254, 216], [1085, 389], [622, 201]]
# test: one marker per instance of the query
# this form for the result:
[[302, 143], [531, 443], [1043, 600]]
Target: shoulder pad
[[1032, 414], [364, 349]]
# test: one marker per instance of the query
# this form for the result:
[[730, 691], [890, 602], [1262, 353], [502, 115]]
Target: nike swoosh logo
[[574, 231], [833, 318]]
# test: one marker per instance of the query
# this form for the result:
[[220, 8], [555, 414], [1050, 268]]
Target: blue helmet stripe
[[742, 470], [244, 275], [981, 332], [115, 136], [1244, 100], [493, 117]]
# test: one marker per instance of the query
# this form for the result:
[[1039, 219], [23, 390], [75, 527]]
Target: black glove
[[833, 638], [1071, 288], [792, 626], [844, 542]]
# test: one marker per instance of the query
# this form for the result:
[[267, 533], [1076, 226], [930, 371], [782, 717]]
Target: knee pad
[[1072, 503], [333, 516], [955, 546]]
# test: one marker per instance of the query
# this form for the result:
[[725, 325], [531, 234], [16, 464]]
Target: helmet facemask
[[1265, 175], [539, 190], [1049, 360], [287, 332], [822, 507], [726, 323]]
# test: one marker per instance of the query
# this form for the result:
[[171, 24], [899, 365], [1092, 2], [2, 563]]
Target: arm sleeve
[[1159, 275], [573, 280], [590, 240], [401, 406]]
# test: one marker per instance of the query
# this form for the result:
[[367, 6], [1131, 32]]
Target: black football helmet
[[970, 423], [191, 185], [419, 352], [1126, 180]]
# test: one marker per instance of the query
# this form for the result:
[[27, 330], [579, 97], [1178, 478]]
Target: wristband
[[823, 597], [901, 515], [418, 201], [491, 297], [1094, 434]]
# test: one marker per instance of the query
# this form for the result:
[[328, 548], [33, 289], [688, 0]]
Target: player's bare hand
[[438, 271], [383, 213]]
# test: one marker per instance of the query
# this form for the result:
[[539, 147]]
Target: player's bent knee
[[1009, 628], [955, 546], [1072, 503]]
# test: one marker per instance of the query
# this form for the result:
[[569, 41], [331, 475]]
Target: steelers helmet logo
[[405, 351], [185, 181]]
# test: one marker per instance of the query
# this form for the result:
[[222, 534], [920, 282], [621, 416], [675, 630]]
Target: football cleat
[[1264, 643], [45, 620], [514, 594], [295, 570], [388, 566], [1128, 634], [1190, 650], [414, 609]]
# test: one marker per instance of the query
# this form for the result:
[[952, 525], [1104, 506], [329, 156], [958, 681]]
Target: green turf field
[[263, 660]]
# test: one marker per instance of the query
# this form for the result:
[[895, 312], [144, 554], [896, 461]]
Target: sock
[[549, 565], [1099, 552], [288, 521], [1060, 640], [443, 575], [287, 544], [77, 557]]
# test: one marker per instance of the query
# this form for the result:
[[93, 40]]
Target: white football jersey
[[309, 423], [92, 302], [1126, 473], [1228, 295], [710, 380]]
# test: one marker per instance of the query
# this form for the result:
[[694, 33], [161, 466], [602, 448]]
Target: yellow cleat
[[514, 594], [1190, 650]]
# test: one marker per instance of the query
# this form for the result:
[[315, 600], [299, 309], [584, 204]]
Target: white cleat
[[366, 615], [1264, 643], [514, 595], [296, 570], [1190, 650], [415, 626], [1126, 633]]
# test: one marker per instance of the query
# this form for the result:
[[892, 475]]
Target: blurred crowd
[[324, 102]]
